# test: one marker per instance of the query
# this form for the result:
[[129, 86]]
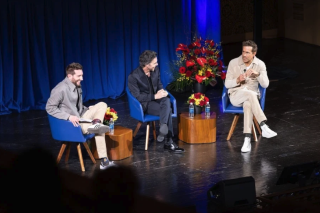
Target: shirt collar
[[70, 84]]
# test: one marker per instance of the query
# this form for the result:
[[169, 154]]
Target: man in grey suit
[[145, 85], [65, 103]]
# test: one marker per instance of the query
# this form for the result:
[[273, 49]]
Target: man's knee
[[252, 95], [166, 101], [102, 105]]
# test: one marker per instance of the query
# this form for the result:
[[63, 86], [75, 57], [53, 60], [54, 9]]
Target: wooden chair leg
[[254, 134], [147, 136], [80, 157], [137, 129], [257, 125], [67, 152], [154, 130], [63, 147], [89, 152], [233, 125]]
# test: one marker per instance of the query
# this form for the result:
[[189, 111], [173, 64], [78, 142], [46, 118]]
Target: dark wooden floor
[[292, 109]]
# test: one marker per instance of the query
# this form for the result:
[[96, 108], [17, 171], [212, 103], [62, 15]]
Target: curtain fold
[[39, 38]]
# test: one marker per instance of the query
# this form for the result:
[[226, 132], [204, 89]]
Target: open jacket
[[139, 85], [237, 67]]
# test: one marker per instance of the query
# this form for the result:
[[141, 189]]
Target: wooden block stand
[[119, 145], [198, 129]]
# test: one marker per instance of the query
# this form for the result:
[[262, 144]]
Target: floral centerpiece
[[198, 99], [199, 61], [110, 113]]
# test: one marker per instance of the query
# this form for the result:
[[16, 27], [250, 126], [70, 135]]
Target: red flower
[[182, 70], [209, 52], [201, 61], [220, 63], [213, 75], [206, 99], [208, 74], [223, 75], [203, 50], [212, 62], [182, 47], [195, 69], [197, 51], [189, 63], [220, 68], [112, 110], [197, 95], [197, 43], [188, 73], [200, 78], [193, 58], [190, 46], [211, 42], [107, 117], [192, 101], [202, 103]]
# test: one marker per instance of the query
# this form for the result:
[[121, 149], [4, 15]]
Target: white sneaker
[[267, 132], [105, 163], [98, 128], [246, 147]]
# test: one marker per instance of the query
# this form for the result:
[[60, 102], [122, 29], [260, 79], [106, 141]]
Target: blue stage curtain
[[39, 38]]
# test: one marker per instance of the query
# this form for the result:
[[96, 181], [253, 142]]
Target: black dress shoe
[[173, 147]]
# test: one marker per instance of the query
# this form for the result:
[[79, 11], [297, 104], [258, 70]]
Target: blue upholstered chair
[[64, 131], [137, 113], [227, 107]]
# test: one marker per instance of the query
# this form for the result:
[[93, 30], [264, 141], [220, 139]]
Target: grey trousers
[[162, 108]]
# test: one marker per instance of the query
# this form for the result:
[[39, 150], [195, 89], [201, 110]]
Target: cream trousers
[[248, 99], [96, 111]]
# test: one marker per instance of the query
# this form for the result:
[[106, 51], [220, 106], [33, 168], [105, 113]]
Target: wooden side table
[[198, 129], [119, 145]]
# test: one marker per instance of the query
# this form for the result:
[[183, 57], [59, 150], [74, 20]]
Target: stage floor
[[292, 109]]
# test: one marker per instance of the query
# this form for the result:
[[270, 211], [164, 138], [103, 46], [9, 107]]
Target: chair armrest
[[225, 98], [174, 105], [262, 96]]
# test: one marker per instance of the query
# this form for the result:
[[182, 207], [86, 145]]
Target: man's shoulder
[[259, 62], [62, 85], [235, 61], [135, 72]]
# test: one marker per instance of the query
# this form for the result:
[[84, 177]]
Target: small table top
[[201, 116], [120, 130]]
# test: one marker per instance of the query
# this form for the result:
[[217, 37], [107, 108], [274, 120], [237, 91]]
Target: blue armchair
[[227, 107], [65, 132], [137, 113]]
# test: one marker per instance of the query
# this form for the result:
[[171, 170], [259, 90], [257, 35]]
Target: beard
[[76, 83]]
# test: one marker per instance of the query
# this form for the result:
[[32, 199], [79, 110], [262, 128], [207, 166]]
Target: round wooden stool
[[198, 129], [119, 145]]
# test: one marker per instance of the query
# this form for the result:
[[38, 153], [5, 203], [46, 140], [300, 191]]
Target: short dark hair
[[252, 44], [72, 67], [146, 57]]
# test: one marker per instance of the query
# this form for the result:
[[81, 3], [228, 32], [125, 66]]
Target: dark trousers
[[162, 108]]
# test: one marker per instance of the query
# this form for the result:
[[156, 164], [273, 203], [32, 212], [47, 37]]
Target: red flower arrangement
[[199, 61], [198, 99], [110, 113]]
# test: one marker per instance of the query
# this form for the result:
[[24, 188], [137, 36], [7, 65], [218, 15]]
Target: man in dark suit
[[145, 85]]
